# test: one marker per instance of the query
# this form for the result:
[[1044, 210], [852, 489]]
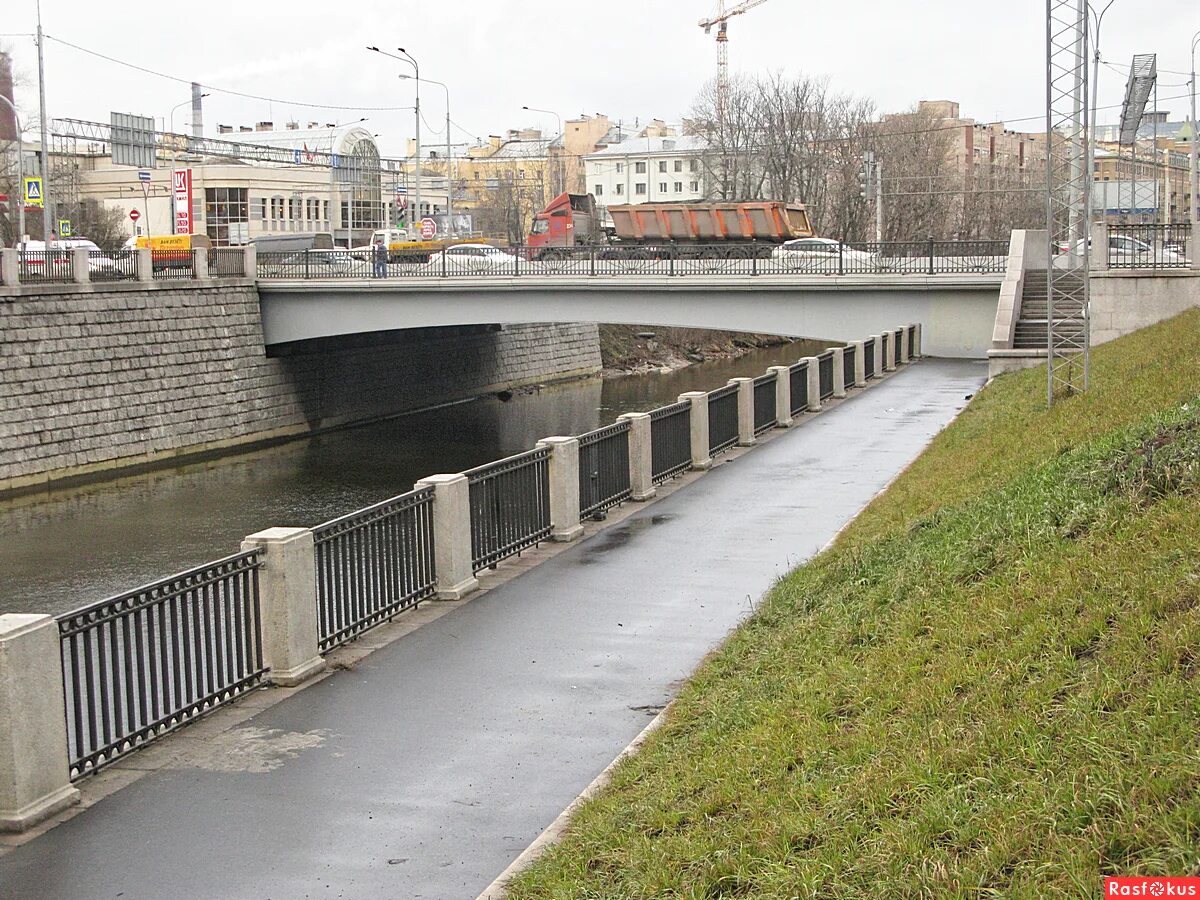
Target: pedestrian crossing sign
[[33, 191]]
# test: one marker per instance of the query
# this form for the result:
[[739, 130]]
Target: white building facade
[[661, 169]]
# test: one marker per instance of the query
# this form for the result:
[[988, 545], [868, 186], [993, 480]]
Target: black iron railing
[[510, 506], [46, 266], [898, 343], [825, 374], [764, 402], [670, 440], [911, 333], [603, 468], [885, 339], [1150, 246], [849, 375], [798, 379], [118, 266], [137, 665], [373, 564], [169, 264], [722, 418], [869, 358], [226, 262]]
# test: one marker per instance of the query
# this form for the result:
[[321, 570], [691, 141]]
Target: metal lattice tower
[[1068, 212]]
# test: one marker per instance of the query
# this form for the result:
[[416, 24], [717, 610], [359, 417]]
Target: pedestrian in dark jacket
[[380, 256]]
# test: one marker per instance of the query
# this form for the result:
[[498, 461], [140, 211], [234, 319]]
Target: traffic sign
[[64, 227], [428, 228], [143, 175], [33, 191], [134, 215]]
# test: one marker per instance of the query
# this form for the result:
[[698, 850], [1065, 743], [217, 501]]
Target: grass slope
[[988, 687]]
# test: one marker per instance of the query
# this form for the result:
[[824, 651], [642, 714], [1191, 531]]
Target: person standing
[[380, 256]]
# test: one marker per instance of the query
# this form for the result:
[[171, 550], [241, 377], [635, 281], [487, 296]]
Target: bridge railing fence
[[172, 264], [119, 266], [849, 354], [604, 468], [764, 402], [825, 374], [722, 419], [510, 506], [670, 441], [798, 382], [869, 358], [46, 266], [1134, 246]]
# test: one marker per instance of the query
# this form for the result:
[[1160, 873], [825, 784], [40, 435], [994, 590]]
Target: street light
[[407, 58], [449, 186], [21, 172], [171, 117], [1195, 168], [550, 112]]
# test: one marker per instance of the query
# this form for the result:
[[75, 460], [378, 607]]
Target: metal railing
[[849, 375], [764, 402], [142, 663], [1150, 246], [169, 264], [869, 358], [825, 374], [119, 266], [372, 564], [510, 506], [722, 419], [668, 260], [798, 381], [885, 338], [603, 469], [898, 339], [226, 262], [46, 267], [911, 332], [670, 440]]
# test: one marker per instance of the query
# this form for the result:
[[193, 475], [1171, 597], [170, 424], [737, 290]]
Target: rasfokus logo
[[1143, 886]]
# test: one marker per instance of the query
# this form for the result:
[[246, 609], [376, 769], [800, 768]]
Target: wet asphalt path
[[425, 770]]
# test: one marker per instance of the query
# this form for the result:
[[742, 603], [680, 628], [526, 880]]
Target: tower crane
[[721, 19]]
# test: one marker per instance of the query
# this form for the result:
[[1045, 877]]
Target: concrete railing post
[[1098, 251], [701, 459], [452, 559], [287, 592], [641, 456], [814, 383], [860, 363], [564, 487], [250, 262], [745, 410], [917, 341], [81, 272], [889, 362], [783, 396], [878, 339], [145, 264], [10, 267], [35, 775], [905, 349], [200, 262], [839, 371]]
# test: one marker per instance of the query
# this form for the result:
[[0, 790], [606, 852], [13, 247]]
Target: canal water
[[65, 549]]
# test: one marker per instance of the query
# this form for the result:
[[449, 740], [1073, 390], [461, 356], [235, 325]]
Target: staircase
[[1030, 331]]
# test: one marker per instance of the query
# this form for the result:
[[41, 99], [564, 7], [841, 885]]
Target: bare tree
[[506, 208]]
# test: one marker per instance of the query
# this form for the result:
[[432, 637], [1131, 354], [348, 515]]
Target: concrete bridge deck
[[428, 767]]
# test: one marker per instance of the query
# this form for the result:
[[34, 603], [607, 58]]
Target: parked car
[[472, 258], [1124, 249], [819, 255], [312, 263]]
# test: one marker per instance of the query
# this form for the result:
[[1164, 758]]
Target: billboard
[[132, 140], [182, 192], [1125, 197]]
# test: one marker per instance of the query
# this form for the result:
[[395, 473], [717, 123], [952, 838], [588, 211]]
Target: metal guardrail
[[603, 469], [669, 260], [142, 663], [1150, 246], [764, 402], [849, 375], [226, 262], [670, 441], [885, 338], [798, 379], [898, 338], [911, 334], [869, 358], [118, 266], [825, 374], [722, 419], [46, 267], [372, 564], [510, 506], [170, 264]]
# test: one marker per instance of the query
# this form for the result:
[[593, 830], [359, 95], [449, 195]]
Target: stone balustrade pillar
[[889, 362], [287, 591], [860, 363], [839, 371], [250, 262], [641, 456], [814, 383], [81, 272], [35, 780], [878, 338], [10, 267], [452, 556], [200, 262], [783, 396], [145, 264], [917, 341], [701, 459], [564, 487], [904, 349], [745, 410]]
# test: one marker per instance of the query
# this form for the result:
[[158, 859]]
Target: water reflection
[[68, 548]]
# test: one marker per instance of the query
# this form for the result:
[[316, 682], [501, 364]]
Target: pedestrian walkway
[[427, 768]]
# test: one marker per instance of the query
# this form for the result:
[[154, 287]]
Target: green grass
[[987, 688]]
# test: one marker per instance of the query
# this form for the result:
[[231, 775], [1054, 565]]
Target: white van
[[98, 261]]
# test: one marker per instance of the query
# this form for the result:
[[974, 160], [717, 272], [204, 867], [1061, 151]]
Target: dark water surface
[[62, 550]]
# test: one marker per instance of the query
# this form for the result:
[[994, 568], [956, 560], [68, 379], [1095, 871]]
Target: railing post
[[754, 261], [1098, 256], [814, 383], [452, 559], [10, 268], [670, 261], [287, 593], [839, 371], [916, 341], [745, 411], [699, 430], [889, 362], [905, 349], [444, 263], [81, 272], [250, 262], [641, 455], [564, 487], [35, 774], [200, 263], [931, 256], [306, 259], [877, 353], [783, 396], [841, 265], [860, 363], [592, 260], [145, 264]]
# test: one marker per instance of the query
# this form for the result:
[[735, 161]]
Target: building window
[[662, 187], [640, 187], [599, 192], [694, 165], [679, 165], [620, 188], [262, 208], [695, 187], [679, 187], [620, 168], [639, 168], [662, 165], [224, 207]]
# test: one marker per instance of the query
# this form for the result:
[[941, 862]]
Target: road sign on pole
[[33, 191], [143, 175], [134, 215], [428, 229], [64, 227]]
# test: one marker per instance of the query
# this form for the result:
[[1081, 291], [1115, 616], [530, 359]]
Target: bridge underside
[[957, 314]]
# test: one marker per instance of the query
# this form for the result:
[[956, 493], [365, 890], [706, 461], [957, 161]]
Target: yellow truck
[[402, 249]]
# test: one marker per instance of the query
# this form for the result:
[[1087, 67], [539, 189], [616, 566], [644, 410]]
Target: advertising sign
[[182, 181]]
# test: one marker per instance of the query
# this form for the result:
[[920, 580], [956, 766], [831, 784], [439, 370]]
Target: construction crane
[[721, 19]]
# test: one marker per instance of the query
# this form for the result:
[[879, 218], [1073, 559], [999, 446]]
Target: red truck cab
[[567, 221]]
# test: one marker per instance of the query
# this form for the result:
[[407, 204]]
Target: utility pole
[[1091, 161], [1193, 166], [47, 201], [878, 202]]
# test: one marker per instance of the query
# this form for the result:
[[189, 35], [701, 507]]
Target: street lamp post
[[557, 180], [1091, 144], [449, 187], [407, 58], [1195, 168], [20, 192]]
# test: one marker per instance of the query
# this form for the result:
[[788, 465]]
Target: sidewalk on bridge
[[425, 767]]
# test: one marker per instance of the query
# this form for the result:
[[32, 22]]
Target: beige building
[[982, 146]]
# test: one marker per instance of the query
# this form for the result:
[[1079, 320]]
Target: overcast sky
[[631, 59]]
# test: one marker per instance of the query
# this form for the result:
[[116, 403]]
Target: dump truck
[[722, 228]]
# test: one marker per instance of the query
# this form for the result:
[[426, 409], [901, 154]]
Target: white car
[[462, 258], [820, 255], [1130, 251]]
